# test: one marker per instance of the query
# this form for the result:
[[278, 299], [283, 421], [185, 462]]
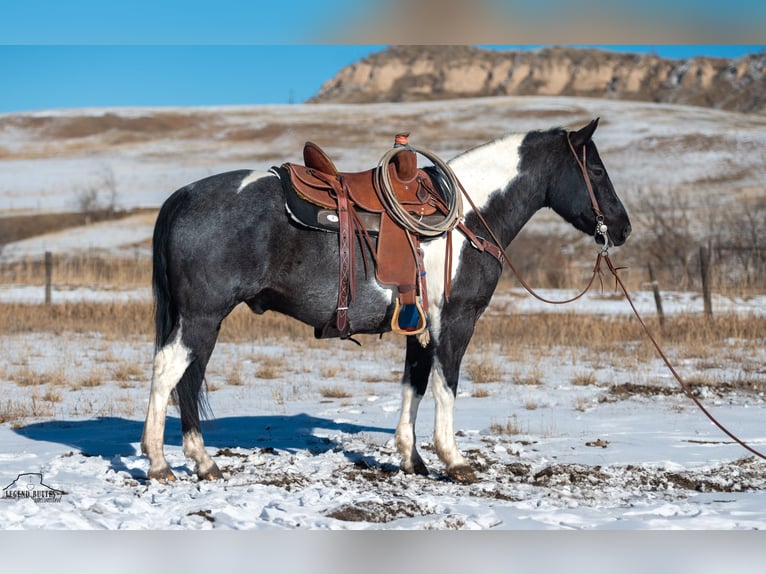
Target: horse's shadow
[[115, 437]]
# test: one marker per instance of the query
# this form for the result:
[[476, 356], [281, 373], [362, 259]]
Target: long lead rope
[[604, 256], [670, 367]]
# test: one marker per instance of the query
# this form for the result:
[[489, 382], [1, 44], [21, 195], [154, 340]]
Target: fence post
[[705, 255], [657, 297], [48, 276]]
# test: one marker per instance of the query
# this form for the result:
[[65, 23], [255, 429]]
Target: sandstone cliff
[[412, 73]]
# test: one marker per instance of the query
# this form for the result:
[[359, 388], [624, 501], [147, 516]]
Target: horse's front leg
[[417, 368], [453, 341]]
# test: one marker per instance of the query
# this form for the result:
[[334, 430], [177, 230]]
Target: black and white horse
[[227, 239]]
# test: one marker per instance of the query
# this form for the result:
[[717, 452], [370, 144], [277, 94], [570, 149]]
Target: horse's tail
[[165, 310], [189, 393]]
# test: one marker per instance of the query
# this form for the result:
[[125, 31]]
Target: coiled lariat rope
[[385, 190]]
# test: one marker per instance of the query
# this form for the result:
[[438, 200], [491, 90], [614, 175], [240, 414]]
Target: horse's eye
[[597, 171]]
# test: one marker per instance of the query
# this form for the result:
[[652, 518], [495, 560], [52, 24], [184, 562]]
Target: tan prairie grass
[[484, 368], [694, 334], [334, 392], [509, 427], [268, 367], [93, 379], [89, 269], [234, 377], [330, 371], [126, 371], [535, 334], [532, 378], [114, 320], [29, 377], [583, 379], [18, 412]]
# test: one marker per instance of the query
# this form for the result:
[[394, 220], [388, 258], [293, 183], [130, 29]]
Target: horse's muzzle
[[615, 235]]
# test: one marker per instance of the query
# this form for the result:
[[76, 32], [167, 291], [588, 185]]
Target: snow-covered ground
[[309, 445], [552, 455]]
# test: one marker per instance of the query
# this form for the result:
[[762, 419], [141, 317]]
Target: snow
[[293, 458], [302, 461]]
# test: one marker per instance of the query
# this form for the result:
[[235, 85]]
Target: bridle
[[497, 250], [601, 227]]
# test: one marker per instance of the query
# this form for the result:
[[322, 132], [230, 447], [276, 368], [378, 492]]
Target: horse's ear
[[583, 135]]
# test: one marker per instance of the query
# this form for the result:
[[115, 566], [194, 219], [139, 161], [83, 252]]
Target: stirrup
[[408, 319]]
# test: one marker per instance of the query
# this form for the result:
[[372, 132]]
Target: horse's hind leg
[[188, 394], [180, 365], [170, 363]]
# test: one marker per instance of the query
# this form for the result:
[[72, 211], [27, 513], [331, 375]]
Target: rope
[[665, 359], [604, 256], [507, 260], [385, 190]]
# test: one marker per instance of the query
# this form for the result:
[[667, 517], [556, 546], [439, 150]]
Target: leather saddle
[[319, 196]]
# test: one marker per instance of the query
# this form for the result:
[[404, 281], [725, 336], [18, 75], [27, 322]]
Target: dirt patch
[[698, 388], [628, 390], [377, 512]]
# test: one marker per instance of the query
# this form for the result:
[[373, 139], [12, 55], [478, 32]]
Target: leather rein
[[499, 252]]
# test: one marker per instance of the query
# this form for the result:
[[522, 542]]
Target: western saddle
[[319, 196]]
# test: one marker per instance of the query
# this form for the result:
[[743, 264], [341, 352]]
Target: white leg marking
[[405, 430], [252, 177], [194, 448], [444, 432], [170, 363]]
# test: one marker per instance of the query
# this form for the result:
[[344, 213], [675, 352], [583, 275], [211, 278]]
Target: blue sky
[[94, 53]]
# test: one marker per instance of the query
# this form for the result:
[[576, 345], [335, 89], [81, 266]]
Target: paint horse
[[227, 239]]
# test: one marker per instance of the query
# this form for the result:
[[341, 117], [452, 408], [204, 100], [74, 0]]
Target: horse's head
[[583, 193]]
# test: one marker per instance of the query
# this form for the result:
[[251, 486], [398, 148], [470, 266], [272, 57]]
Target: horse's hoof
[[421, 468], [463, 474], [161, 475], [212, 473], [417, 467]]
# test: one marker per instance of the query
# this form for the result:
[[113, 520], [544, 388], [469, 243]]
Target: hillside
[[687, 174], [416, 73]]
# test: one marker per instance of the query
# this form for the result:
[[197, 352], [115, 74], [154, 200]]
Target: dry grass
[[584, 379], [93, 379], [334, 392], [271, 367], [484, 368], [510, 427], [124, 372], [234, 378], [330, 371], [533, 379], [695, 335], [27, 377], [479, 393], [17, 412]]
